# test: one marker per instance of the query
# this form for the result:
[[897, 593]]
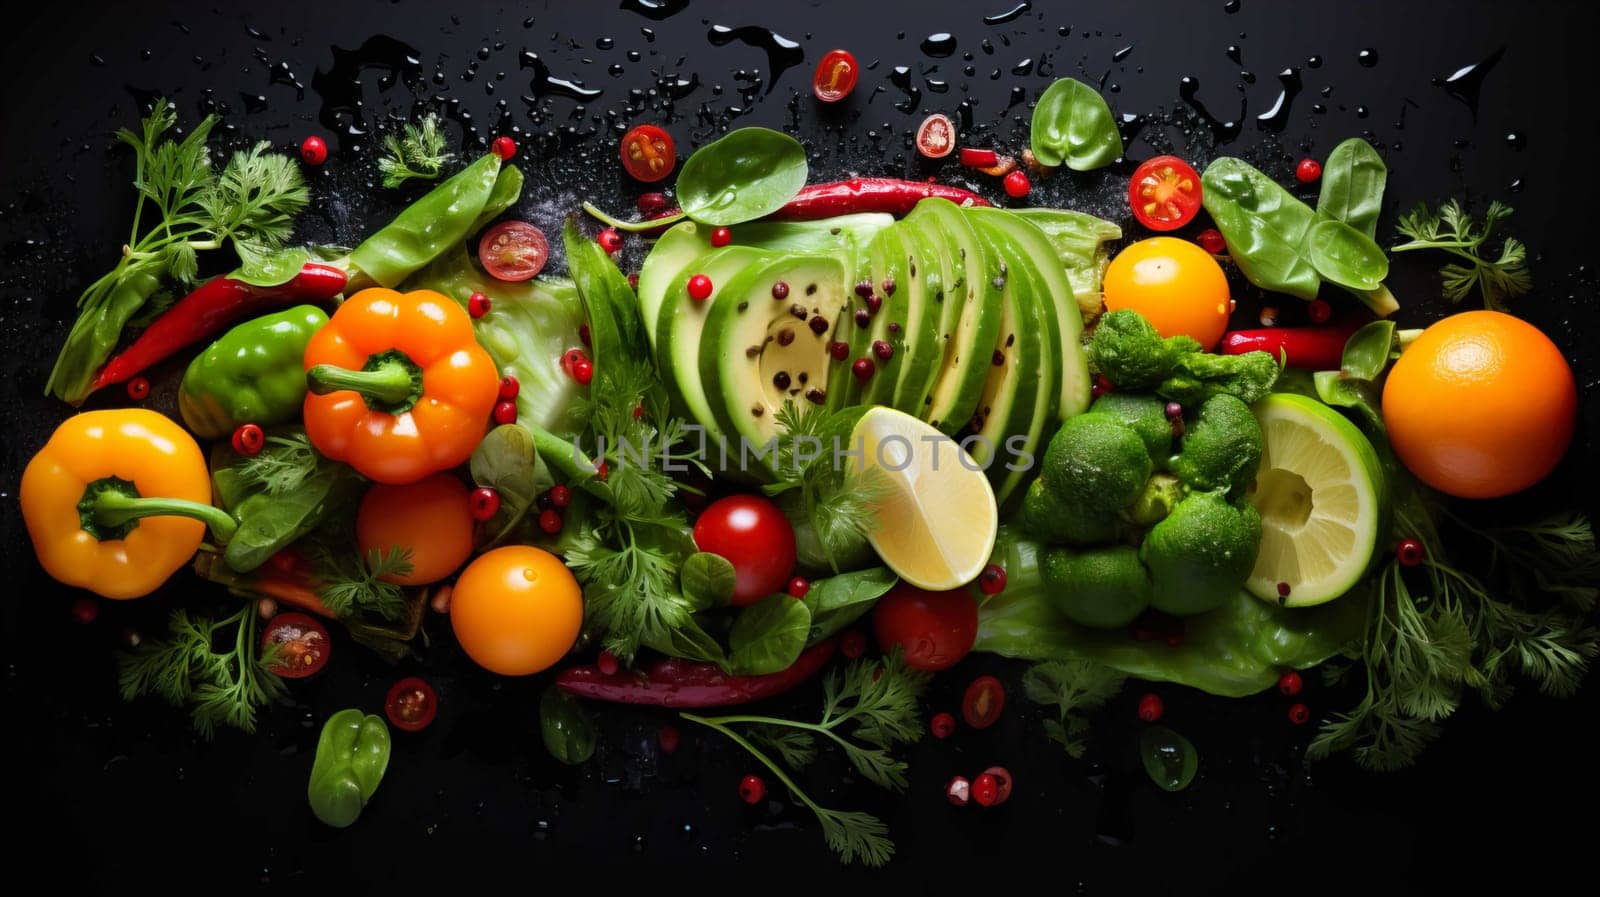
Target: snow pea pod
[[352, 756], [438, 221]]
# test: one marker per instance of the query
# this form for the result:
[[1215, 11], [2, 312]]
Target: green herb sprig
[[220, 686], [1451, 229], [1073, 687], [417, 152]]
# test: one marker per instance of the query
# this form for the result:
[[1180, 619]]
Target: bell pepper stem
[[390, 383], [113, 509]]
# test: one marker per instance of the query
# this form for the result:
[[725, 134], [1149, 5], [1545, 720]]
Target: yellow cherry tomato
[[431, 518], [1175, 285], [516, 610]]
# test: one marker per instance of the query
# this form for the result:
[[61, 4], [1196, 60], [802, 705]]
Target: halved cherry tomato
[[302, 643], [648, 153], [513, 251], [753, 535], [411, 705], [936, 138], [933, 629], [836, 76], [1164, 193], [981, 705]]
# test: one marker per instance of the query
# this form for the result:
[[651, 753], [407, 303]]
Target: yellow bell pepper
[[118, 500]]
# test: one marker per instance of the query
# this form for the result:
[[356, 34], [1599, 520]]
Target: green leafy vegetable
[[283, 464], [1073, 126], [278, 496], [221, 686], [1355, 384], [768, 636], [269, 268], [1345, 256], [506, 462], [417, 152], [1353, 179], [350, 584], [566, 727], [708, 580], [748, 174], [1072, 687], [837, 601], [835, 502], [1451, 229]]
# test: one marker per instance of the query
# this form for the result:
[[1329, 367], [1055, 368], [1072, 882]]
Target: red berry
[[560, 496], [610, 240], [248, 440], [509, 387], [752, 789], [477, 305], [699, 288], [607, 662], [313, 151], [583, 372], [1308, 171], [484, 502], [1410, 552], [780, 290], [1017, 184], [853, 644], [798, 587], [638, 412], [633, 281], [652, 203], [138, 389], [583, 332], [1002, 781], [1283, 590], [550, 521], [721, 237], [570, 359], [1299, 714], [992, 581], [1151, 708], [874, 302], [882, 350], [862, 368], [1319, 311], [504, 147], [1290, 683], [838, 350], [1211, 241], [505, 412], [1173, 410], [986, 790], [601, 471], [959, 791], [668, 738], [943, 725], [85, 610], [1101, 386]]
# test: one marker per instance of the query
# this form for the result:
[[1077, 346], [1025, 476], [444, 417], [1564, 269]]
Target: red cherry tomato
[[1016, 184], [648, 153], [302, 644], [1309, 171], [755, 537], [1002, 783], [936, 138], [504, 147], [513, 251], [313, 150], [411, 705], [1164, 193], [981, 705], [836, 76], [934, 629]]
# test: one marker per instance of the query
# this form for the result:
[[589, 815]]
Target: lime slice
[[1320, 491], [936, 516]]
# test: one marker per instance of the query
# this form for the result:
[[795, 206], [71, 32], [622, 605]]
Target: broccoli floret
[[1222, 449], [1200, 556], [1103, 588], [1143, 414], [1132, 355], [1128, 351], [1095, 463], [1055, 522], [1160, 495], [1197, 376]]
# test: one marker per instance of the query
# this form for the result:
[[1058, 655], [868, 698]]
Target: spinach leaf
[[271, 522], [1266, 228], [506, 462], [746, 175], [566, 727], [707, 580], [768, 636], [691, 642], [1353, 179], [1346, 256], [1073, 126], [269, 268], [838, 601]]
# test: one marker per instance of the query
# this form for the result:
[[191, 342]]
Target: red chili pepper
[[674, 682], [1308, 348], [892, 195], [211, 308], [979, 158]]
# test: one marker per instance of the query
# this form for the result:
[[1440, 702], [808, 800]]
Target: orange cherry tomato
[[648, 153], [1164, 193], [1177, 286], [836, 76], [516, 610], [431, 518]]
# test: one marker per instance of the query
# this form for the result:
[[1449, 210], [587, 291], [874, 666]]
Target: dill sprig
[[417, 152], [221, 686]]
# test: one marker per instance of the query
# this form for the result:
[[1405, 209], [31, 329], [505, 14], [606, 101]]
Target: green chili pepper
[[352, 755], [253, 374], [441, 219]]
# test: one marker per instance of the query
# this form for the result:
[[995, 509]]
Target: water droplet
[[1235, 54], [1023, 66], [1276, 117], [1314, 62], [939, 45], [1008, 15], [1515, 186], [1466, 83], [1169, 758], [1368, 57], [1122, 53], [1232, 6]]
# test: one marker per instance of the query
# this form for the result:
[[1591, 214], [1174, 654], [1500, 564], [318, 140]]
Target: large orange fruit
[[1481, 405]]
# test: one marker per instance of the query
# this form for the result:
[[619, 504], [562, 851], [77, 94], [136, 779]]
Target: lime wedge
[[1321, 494], [936, 515]]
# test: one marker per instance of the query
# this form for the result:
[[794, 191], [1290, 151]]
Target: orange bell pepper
[[118, 500], [399, 388]]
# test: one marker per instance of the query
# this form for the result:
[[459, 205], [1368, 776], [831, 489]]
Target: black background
[[112, 795]]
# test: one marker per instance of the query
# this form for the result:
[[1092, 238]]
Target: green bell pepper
[[1238, 649], [352, 755], [253, 374]]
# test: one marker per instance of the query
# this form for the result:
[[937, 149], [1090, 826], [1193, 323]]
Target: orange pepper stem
[[390, 382], [112, 507]]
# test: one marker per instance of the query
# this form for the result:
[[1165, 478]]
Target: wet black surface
[[128, 795]]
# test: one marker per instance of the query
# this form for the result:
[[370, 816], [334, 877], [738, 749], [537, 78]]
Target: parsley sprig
[[866, 711], [1452, 229], [417, 152], [221, 686], [350, 583], [838, 499], [282, 466], [1072, 687]]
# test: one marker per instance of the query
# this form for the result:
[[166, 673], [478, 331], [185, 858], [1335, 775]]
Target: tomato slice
[[411, 705], [836, 76], [1164, 193], [1002, 783], [982, 703], [513, 251], [302, 644], [936, 138], [648, 153]]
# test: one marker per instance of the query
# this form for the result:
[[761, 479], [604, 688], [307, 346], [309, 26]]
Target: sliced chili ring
[[836, 76]]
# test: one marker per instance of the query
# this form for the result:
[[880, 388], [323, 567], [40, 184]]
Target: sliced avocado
[[1034, 248], [895, 285], [873, 259], [663, 269], [916, 345], [945, 291], [759, 352], [968, 346], [681, 332]]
